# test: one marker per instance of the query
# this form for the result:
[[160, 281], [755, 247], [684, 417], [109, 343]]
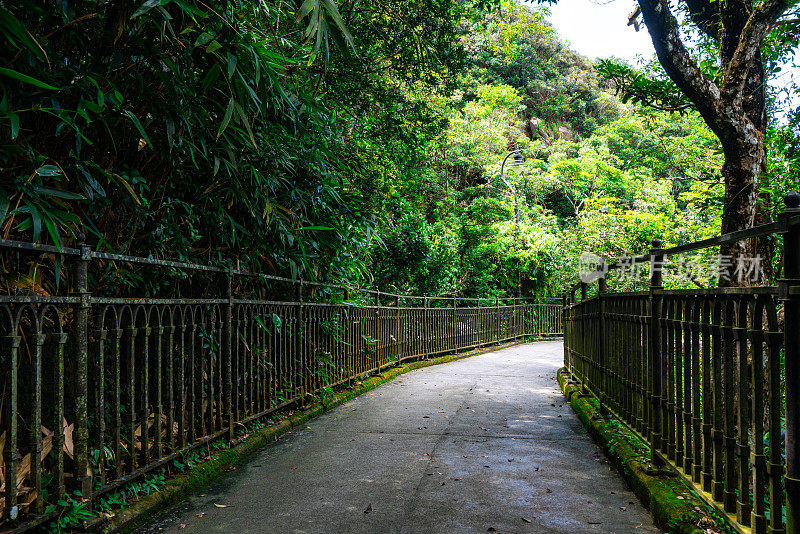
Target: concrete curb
[[675, 506], [131, 517]]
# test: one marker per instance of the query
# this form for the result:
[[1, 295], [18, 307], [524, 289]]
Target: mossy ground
[[674, 505]]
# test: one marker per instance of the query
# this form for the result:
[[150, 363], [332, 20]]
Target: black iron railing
[[97, 389], [708, 377]]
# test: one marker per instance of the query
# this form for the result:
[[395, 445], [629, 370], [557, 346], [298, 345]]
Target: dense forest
[[359, 142]]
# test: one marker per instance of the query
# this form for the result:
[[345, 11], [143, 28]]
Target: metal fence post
[[228, 352], [791, 343], [584, 346], [454, 335], [564, 332], [83, 477], [377, 338], [496, 322], [397, 335], [654, 359], [299, 345], [426, 333], [602, 287]]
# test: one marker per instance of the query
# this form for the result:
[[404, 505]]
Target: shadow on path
[[484, 444]]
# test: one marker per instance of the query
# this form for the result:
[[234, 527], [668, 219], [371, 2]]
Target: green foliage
[[333, 141], [198, 132], [499, 97], [559, 87], [505, 34], [652, 89], [170, 129], [609, 227], [416, 254], [71, 514], [600, 176]]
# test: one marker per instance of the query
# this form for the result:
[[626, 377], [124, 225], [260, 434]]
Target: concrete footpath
[[483, 444]]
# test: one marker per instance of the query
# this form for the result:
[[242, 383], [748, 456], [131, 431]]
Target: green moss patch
[[675, 506]]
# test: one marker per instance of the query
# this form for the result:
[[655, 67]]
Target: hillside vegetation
[[359, 143]]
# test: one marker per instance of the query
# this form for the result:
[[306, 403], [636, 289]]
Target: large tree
[[730, 94]]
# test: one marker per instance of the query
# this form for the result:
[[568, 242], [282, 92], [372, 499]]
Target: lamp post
[[518, 160]]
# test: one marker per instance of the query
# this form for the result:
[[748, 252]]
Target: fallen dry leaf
[[222, 505]]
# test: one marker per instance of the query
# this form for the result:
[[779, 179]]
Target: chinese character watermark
[[719, 268]]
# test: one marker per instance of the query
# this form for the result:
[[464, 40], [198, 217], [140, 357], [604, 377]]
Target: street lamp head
[[519, 159]]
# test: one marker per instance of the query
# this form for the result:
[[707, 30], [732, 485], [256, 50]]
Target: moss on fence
[[674, 505]]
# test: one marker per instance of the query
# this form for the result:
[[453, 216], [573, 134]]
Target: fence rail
[[97, 390], [708, 377]]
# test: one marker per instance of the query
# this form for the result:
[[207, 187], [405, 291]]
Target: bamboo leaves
[[138, 125], [246, 124], [202, 129], [4, 203], [227, 118], [26, 79], [145, 7], [318, 12], [17, 35]]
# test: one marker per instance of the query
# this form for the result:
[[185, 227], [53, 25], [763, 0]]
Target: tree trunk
[[734, 105], [740, 173], [744, 162]]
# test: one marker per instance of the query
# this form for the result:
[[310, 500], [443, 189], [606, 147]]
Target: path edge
[[675, 506], [133, 516]]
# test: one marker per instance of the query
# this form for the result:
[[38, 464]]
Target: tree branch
[[633, 18], [786, 21], [761, 19], [706, 16], [679, 65]]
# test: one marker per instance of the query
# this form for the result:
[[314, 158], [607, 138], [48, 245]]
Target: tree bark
[[734, 107]]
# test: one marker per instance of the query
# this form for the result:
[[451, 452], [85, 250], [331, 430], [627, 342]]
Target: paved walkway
[[484, 444]]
